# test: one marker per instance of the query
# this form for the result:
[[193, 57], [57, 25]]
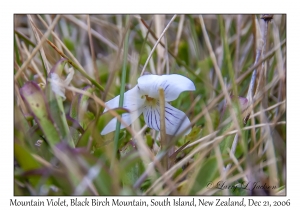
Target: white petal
[[132, 100], [70, 76], [152, 117], [56, 85], [175, 120], [173, 85], [128, 118]]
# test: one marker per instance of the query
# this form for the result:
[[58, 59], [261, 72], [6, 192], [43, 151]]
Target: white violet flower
[[144, 98]]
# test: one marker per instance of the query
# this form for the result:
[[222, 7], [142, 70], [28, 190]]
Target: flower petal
[[128, 118], [56, 85], [132, 100], [173, 85], [175, 120], [70, 76], [152, 117]]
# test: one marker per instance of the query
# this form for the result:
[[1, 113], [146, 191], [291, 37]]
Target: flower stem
[[163, 139], [122, 90]]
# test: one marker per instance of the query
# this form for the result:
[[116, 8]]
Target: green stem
[[227, 56], [194, 36], [83, 72], [122, 90], [24, 38], [235, 102]]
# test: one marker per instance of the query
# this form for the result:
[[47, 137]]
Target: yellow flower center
[[150, 101]]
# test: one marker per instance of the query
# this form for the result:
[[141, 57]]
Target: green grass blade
[[207, 173], [124, 67]]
